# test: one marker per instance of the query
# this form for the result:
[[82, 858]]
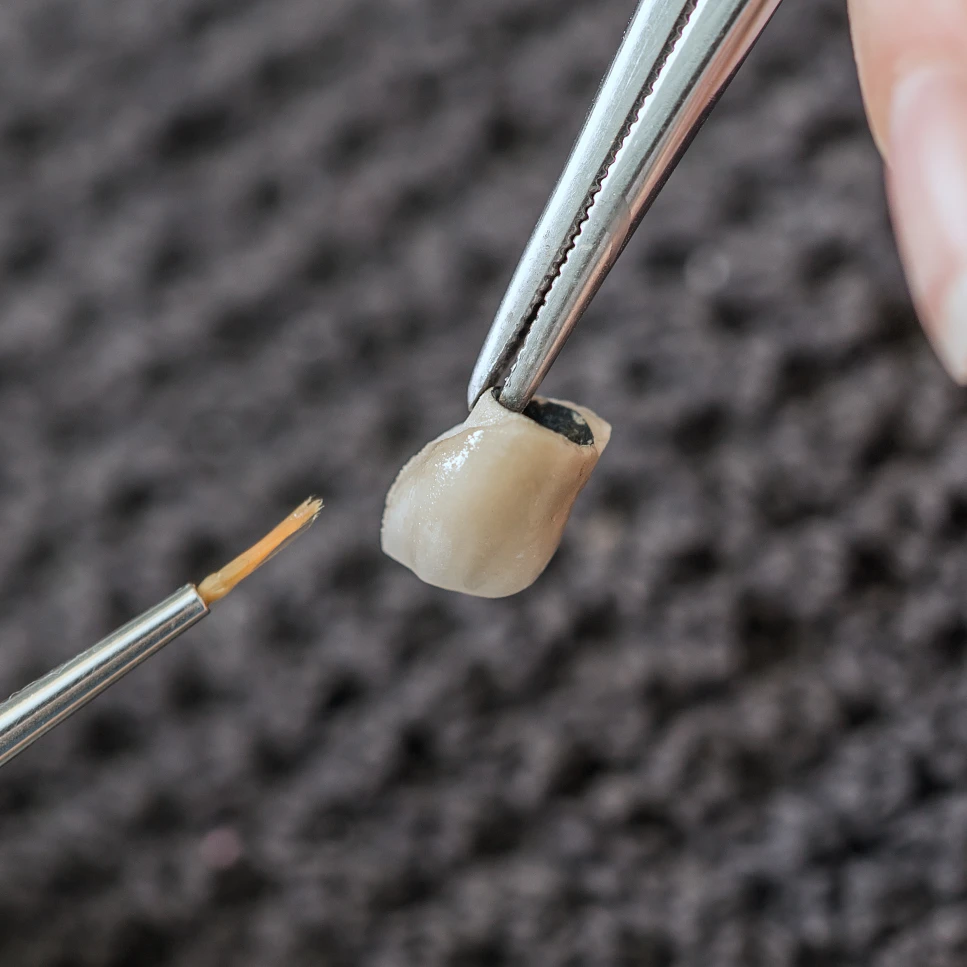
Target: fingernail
[[928, 182]]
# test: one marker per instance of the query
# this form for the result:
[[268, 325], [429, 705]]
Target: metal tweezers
[[676, 58]]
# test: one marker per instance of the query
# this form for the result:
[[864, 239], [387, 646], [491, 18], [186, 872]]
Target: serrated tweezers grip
[[676, 58]]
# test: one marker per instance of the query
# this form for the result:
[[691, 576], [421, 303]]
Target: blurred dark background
[[248, 251]]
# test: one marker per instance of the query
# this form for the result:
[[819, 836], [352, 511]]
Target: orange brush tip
[[217, 585]]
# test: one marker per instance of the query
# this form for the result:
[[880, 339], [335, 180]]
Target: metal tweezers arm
[[676, 58]]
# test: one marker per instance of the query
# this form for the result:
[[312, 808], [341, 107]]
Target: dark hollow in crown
[[560, 419]]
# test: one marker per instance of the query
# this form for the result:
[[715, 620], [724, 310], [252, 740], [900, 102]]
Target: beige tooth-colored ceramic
[[482, 508]]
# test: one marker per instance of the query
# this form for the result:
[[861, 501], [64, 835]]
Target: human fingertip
[[928, 187], [950, 339]]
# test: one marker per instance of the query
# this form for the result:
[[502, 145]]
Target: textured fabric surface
[[248, 251]]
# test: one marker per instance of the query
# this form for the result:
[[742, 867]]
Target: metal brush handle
[[28, 714]]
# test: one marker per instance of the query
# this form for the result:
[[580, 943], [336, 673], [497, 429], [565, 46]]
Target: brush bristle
[[217, 585]]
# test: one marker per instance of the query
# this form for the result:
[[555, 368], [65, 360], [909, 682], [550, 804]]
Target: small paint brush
[[28, 714]]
